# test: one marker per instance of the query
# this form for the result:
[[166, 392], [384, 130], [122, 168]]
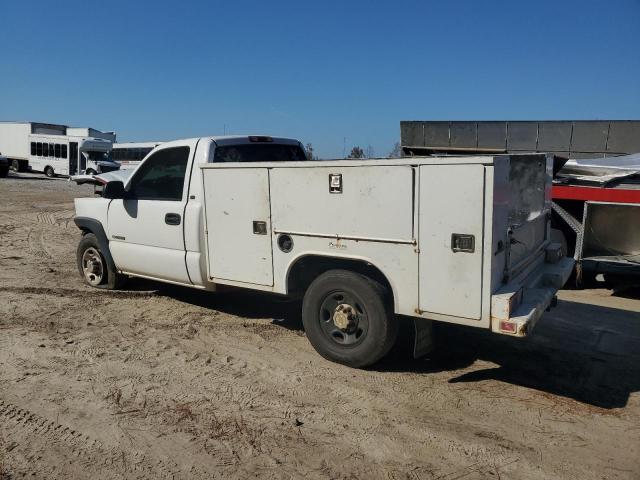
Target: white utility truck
[[460, 240], [56, 149]]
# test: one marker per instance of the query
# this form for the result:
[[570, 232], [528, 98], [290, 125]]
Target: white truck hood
[[102, 178]]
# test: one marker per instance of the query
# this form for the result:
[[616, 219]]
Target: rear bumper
[[518, 305]]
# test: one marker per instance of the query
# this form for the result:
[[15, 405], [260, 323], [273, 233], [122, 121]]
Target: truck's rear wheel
[[15, 165], [93, 267], [49, 172], [348, 319]]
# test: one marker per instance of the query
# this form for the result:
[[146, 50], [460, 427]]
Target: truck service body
[[461, 240]]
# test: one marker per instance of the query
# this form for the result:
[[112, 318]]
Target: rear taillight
[[508, 327]]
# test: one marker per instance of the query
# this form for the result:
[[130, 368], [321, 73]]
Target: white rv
[[56, 149]]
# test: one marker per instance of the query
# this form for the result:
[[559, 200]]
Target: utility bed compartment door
[[451, 242], [238, 225], [374, 203]]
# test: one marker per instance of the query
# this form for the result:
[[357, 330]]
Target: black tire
[[371, 329], [48, 171], [4, 171], [91, 171], [89, 251], [15, 165]]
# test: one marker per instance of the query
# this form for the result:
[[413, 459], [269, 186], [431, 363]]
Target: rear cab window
[[259, 152]]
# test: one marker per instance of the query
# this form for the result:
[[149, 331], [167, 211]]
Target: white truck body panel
[[13, 140], [235, 199], [141, 240], [377, 208], [451, 282]]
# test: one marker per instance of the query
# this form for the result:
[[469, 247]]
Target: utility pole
[[344, 147]]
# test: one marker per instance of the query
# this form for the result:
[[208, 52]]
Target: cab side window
[[161, 177]]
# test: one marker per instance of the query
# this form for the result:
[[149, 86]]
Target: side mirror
[[113, 190]]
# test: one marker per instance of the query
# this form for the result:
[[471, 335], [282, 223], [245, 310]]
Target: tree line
[[358, 152]]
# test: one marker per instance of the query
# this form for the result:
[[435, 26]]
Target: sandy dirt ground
[[165, 382]]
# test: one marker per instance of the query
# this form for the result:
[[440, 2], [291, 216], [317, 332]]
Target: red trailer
[[596, 206]]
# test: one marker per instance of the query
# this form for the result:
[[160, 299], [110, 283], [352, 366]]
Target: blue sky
[[317, 71]]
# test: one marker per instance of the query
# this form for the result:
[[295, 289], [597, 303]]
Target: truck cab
[[155, 230]]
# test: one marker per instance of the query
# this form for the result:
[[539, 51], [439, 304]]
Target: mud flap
[[423, 339]]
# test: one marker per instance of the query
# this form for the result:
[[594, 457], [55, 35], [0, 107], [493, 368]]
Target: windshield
[[98, 156], [259, 152]]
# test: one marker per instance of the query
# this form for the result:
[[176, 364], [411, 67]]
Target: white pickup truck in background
[[460, 240]]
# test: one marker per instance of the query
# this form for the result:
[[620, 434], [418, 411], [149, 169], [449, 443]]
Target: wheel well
[[308, 268]]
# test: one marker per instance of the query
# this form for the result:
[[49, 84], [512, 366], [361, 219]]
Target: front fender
[[92, 225]]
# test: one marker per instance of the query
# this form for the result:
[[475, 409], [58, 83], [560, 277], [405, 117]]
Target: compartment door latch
[[463, 242]]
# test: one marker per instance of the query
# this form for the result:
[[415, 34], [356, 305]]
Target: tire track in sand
[[88, 454]]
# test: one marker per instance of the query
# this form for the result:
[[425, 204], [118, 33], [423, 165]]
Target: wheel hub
[[92, 266], [344, 316]]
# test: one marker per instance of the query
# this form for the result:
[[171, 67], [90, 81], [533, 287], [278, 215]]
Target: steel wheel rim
[[92, 266], [343, 318]]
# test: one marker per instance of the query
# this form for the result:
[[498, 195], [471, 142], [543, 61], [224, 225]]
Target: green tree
[[309, 151], [369, 152], [396, 151], [356, 152]]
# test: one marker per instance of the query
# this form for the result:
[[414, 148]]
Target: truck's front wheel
[[92, 265], [348, 319]]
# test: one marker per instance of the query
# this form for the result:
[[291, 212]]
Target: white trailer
[[55, 149], [459, 240]]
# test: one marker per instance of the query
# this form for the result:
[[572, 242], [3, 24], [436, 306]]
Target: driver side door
[[146, 235]]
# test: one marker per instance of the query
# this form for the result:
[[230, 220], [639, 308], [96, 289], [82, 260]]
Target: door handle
[[172, 219]]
